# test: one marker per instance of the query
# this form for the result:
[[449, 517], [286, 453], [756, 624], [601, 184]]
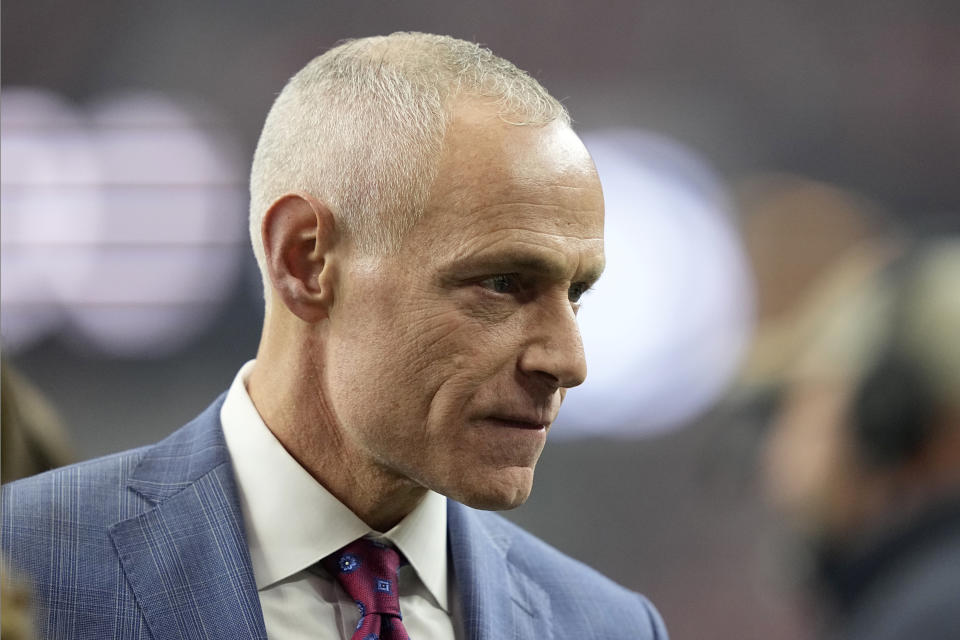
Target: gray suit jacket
[[149, 543]]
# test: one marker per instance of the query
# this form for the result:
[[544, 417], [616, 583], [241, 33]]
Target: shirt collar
[[422, 538], [292, 521]]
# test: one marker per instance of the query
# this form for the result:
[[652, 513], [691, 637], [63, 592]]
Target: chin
[[507, 490]]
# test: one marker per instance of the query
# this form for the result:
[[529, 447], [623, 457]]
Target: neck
[[287, 388]]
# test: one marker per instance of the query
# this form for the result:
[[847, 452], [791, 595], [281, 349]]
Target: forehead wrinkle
[[571, 216], [557, 234], [518, 212], [472, 196]]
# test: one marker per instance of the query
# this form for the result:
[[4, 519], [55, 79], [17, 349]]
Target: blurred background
[[746, 148]]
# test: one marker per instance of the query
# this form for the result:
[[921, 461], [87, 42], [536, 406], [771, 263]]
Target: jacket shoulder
[[75, 491], [77, 503], [55, 536], [579, 594], [56, 527], [67, 506]]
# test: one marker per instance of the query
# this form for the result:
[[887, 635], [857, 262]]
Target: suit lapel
[[497, 599], [186, 558]]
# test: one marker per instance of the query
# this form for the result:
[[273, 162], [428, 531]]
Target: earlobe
[[299, 235]]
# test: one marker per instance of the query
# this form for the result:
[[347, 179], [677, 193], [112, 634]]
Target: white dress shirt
[[292, 522]]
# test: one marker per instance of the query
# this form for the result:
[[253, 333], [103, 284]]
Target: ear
[[299, 235]]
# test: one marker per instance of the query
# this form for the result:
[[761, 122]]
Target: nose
[[554, 351]]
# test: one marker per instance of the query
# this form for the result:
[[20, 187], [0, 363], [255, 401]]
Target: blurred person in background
[[863, 456], [32, 438], [425, 221]]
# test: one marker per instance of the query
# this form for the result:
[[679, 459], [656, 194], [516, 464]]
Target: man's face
[[448, 360]]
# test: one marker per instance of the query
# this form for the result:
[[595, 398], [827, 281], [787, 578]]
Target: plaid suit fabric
[[48, 536], [514, 585], [143, 544]]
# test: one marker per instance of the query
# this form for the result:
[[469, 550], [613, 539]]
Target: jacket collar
[[497, 599], [186, 557]]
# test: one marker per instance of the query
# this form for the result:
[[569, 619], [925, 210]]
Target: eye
[[502, 283], [576, 291]]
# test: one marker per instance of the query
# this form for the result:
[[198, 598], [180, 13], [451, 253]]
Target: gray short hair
[[361, 128]]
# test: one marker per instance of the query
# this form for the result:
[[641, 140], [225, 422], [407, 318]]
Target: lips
[[532, 423]]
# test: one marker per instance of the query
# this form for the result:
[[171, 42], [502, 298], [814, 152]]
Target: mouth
[[518, 422]]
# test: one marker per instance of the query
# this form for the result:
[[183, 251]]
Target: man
[[863, 458], [426, 222]]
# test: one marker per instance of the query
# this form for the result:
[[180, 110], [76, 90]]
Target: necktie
[[367, 570]]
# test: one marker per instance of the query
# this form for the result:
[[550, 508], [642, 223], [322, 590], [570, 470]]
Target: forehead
[[501, 185], [481, 151]]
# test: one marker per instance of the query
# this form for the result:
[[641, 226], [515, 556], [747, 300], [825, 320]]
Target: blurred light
[[666, 325], [49, 204], [149, 259], [174, 232]]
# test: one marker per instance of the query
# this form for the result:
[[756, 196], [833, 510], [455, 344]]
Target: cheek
[[417, 358], [460, 365], [443, 344], [391, 366]]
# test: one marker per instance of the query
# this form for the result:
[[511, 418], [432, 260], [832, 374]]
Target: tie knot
[[367, 570]]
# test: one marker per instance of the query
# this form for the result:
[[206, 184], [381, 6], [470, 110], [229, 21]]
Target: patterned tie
[[367, 570]]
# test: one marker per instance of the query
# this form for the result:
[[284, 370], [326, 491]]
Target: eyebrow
[[525, 262]]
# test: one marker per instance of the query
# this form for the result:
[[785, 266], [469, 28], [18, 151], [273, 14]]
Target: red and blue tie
[[367, 570]]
